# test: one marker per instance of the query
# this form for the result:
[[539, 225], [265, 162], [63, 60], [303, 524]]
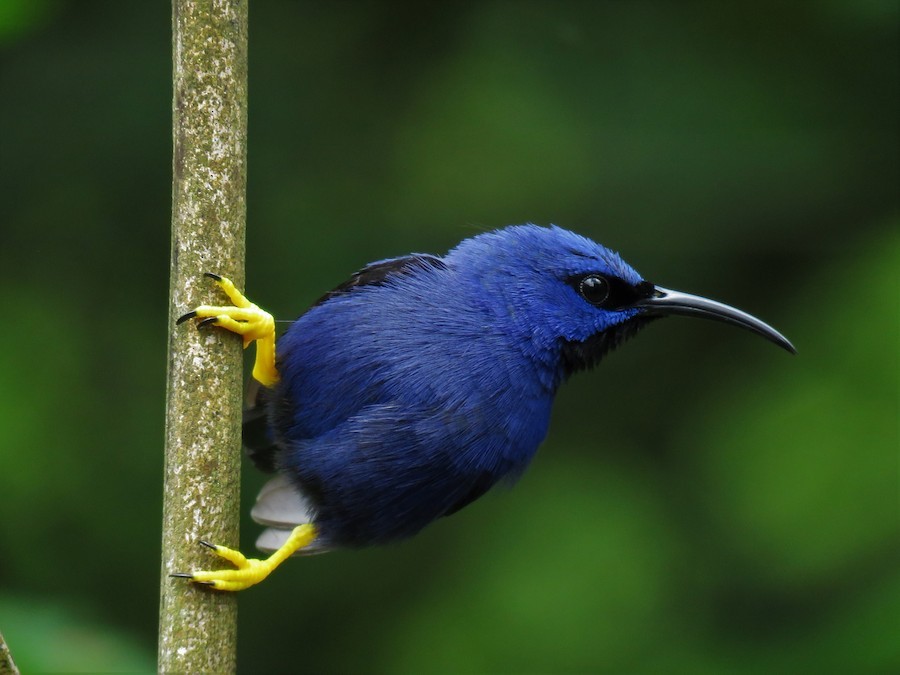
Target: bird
[[407, 392]]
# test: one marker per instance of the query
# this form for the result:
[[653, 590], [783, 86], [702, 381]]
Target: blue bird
[[408, 391]]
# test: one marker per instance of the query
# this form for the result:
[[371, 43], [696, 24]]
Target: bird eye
[[594, 289]]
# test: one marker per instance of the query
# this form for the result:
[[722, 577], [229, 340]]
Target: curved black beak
[[662, 302]]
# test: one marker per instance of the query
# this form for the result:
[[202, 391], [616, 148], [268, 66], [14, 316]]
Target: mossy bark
[[7, 665], [198, 627]]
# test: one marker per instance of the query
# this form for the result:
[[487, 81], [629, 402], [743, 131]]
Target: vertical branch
[[7, 665], [198, 627]]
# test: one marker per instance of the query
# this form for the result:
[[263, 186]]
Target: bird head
[[568, 300]]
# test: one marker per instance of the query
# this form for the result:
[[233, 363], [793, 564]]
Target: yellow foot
[[250, 571], [245, 319]]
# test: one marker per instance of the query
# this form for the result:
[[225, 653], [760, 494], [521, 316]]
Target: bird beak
[[663, 302]]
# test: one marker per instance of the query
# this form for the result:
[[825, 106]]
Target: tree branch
[[7, 665], [198, 627]]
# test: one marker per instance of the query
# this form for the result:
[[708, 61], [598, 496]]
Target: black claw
[[184, 317], [216, 277], [205, 543], [182, 575], [207, 322], [205, 583]]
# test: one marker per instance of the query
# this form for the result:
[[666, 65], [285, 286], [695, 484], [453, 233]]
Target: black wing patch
[[376, 273]]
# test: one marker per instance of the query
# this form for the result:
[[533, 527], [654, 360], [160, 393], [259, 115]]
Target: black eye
[[594, 289]]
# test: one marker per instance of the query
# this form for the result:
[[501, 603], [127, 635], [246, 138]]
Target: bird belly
[[388, 472]]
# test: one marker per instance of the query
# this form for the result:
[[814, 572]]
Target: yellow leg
[[250, 571], [247, 320]]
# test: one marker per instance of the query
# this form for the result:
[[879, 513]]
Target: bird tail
[[255, 435]]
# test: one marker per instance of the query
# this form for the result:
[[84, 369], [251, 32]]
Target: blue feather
[[411, 389]]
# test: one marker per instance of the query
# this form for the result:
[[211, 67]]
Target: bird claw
[[249, 321], [249, 572], [184, 317], [212, 320]]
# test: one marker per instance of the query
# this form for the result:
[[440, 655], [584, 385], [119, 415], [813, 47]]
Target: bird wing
[[377, 272], [257, 436]]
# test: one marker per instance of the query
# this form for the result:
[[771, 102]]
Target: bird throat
[[585, 354]]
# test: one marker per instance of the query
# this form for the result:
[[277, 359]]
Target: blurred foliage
[[54, 638], [703, 504]]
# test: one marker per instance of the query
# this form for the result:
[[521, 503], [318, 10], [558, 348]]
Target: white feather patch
[[282, 507], [272, 539], [279, 504]]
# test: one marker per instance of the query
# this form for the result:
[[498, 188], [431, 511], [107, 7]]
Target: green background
[[704, 502]]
